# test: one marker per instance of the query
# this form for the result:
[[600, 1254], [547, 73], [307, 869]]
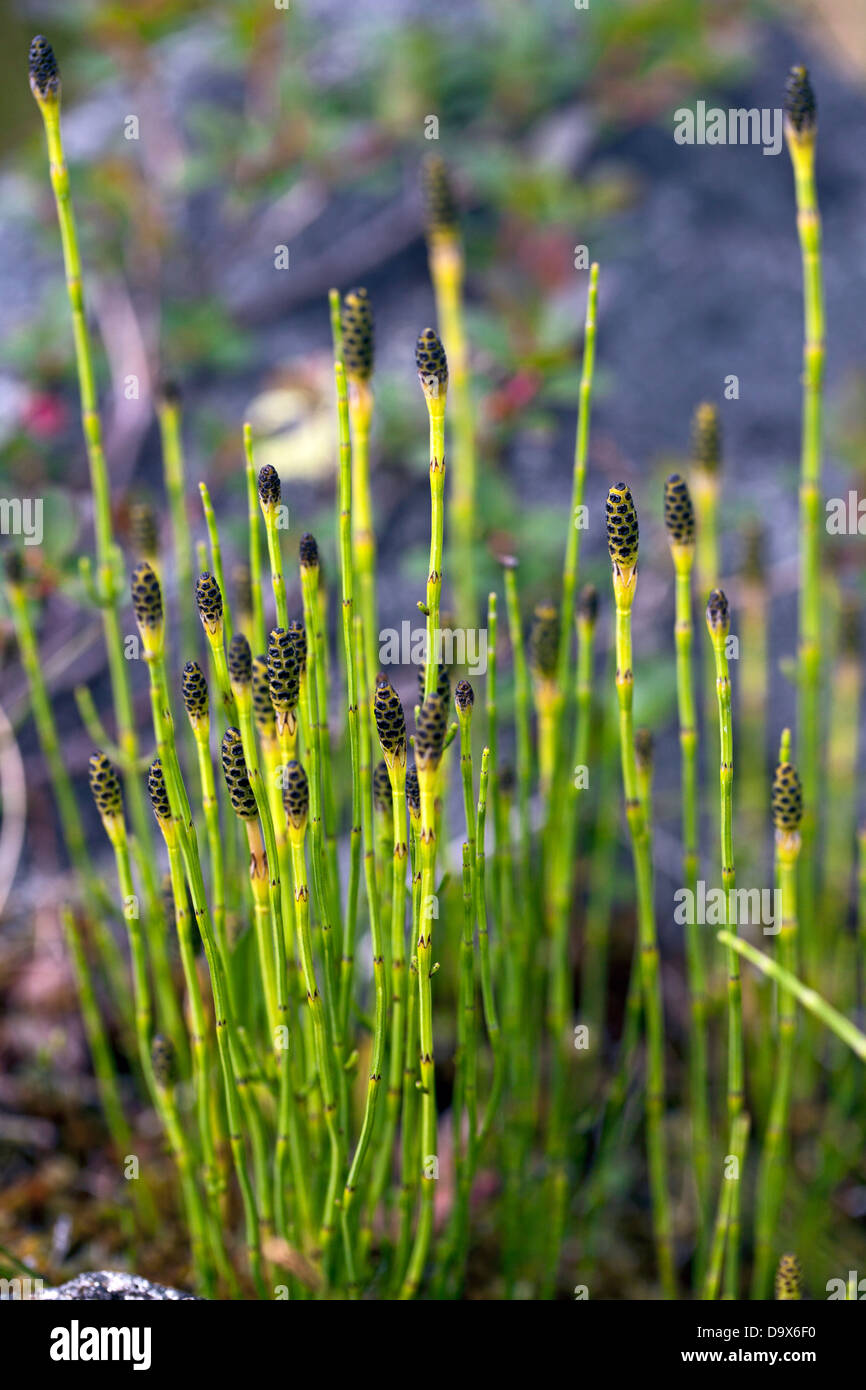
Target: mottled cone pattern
[[358, 335], [105, 786], [718, 612], [240, 660], [163, 1060], [194, 690], [430, 730], [622, 528], [443, 683], [142, 529], [296, 793], [236, 775], [413, 790], [643, 749], [382, 794], [679, 512], [298, 634], [707, 437], [308, 551], [44, 72], [787, 798], [439, 199], [544, 640], [284, 677], [263, 709], [431, 361], [587, 603], [800, 106], [789, 1279], [157, 790], [146, 596], [209, 598], [464, 697], [270, 491], [390, 719]]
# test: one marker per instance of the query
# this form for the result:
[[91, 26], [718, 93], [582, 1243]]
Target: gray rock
[[106, 1284]]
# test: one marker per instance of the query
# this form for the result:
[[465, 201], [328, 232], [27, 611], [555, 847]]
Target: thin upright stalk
[[173, 466], [800, 133], [258, 642]]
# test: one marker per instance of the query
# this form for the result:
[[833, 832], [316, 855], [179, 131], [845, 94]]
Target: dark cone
[[105, 786], [787, 798], [679, 512], [298, 634], [284, 676], [358, 339], [430, 730], [296, 793], [308, 551], [464, 697], [718, 612], [236, 775], [383, 798], [169, 392], [157, 791], [544, 641], [146, 596], [622, 527], [44, 72], [270, 490], [431, 362], [163, 1059], [707, 438], [194, 690], [789, 1279], [240, 660], [209, 599], [390, 719], [439, 200], [413, 790], [800, 108], [587, 603], [263, 709]]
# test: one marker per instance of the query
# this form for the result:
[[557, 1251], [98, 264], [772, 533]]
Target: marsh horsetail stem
[[430, 730], [543, 653], [45, 85], [432, 368], [358, 355], [622, 542], [680, 523], [801, 131], [787, 811], [719, 626]]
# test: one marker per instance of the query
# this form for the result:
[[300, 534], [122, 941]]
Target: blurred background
[[203, 137]]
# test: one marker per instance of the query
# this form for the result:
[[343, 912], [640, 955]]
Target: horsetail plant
[[622, 541], [358, 352], [432, 366], [789, 1279], [680, 524], [801, 128]]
